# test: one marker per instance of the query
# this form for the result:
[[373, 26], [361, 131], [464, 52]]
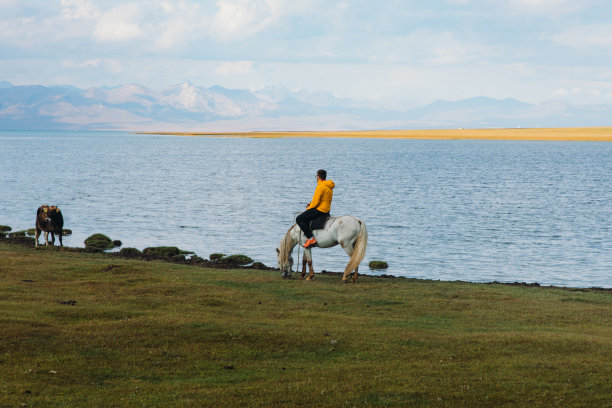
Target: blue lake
[[467, 210]]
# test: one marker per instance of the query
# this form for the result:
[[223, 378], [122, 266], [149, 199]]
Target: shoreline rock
[[194, 260]]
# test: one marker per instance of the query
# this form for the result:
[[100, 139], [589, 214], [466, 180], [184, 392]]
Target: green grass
[[89, 330]]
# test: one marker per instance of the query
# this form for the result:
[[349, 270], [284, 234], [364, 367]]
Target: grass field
[[594, 134], [90, 330]]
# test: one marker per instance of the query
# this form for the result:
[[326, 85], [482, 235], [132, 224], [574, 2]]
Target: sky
[[390, 52]]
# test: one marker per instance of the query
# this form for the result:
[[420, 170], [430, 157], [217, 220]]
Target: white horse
[[346, 230]]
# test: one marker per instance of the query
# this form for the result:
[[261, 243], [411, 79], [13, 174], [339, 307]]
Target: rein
[[297, 264]]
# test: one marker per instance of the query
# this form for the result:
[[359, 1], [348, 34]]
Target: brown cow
[[50, 220]]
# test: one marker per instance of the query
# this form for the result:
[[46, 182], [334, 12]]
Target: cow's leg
[[46, 237], [37, 235], [52, 238], [60, 237]]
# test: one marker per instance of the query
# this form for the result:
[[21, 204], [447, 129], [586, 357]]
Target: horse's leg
[[355, 274], [348, 248], [311, 274], [308, 260], [305, 259], [303, 268]]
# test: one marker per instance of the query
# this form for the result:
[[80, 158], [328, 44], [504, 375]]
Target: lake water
[[467, 210]]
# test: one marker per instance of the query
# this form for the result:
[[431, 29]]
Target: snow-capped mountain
[[186, 107]]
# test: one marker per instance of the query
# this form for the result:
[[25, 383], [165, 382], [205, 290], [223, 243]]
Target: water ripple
[[452, 210]]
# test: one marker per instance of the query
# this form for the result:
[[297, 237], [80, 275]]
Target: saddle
[[319, 222]]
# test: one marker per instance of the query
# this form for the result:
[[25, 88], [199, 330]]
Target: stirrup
[[310, 242]]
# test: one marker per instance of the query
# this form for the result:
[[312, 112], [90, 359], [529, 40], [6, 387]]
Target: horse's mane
[[285, 247]]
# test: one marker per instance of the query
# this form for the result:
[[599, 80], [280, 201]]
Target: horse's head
[[285, 263]]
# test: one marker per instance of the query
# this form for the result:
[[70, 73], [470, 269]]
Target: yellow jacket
[[322, 198]]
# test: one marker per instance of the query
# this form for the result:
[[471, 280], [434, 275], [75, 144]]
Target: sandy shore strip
[[593, 134]]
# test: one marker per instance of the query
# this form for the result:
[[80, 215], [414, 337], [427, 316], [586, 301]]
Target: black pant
[[303, 220]]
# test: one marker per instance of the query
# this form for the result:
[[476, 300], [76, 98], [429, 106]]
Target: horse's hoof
[[309, 278]]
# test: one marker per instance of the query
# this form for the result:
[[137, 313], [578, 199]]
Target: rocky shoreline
[[99, 243], [216, 260]]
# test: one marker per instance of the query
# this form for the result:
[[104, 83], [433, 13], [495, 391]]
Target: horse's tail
[[359, 249]]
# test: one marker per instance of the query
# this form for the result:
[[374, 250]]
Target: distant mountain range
[[185, 107]]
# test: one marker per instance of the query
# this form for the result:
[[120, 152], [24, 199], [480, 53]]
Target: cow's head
[[47, 213]]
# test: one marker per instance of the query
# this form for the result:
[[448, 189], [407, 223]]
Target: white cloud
[[181, 24], [561, 93], [105, 64], [459, 2], [581, 95], [234, 68], [596, 35], [577, 91], [36, 33], [8, 3], [242, 18], [543, 5], [449, 53], [425, 47], [521, 69], [174, 34], [167, 6], [79, 9], [119, 24], [238, 19]]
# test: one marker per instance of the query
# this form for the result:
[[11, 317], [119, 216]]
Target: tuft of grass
[[235, 260], [130, 253], [99, 242], [89, 329], [162, 252], [216, 256], [378, 265], [166, 252]]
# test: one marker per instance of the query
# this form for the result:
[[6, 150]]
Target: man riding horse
[[318, 206], [348, 231]]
